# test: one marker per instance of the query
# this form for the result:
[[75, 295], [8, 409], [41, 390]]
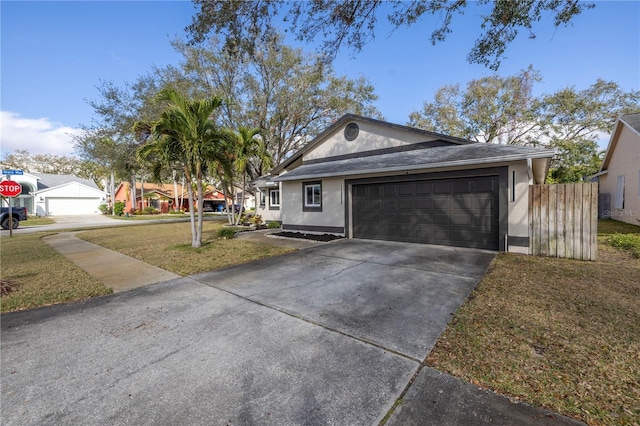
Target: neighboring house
[[55, 195], [619, 175], [161, 197], [365, 178]]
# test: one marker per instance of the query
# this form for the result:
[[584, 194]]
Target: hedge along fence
[[563, 220]]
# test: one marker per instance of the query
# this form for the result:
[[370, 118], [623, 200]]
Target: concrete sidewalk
[[115, 270]]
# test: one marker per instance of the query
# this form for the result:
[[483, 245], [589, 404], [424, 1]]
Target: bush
[[118, 208], [256, 220], [104, 209], [629, 242], [149, 210], [274, 225], [226, 233], [176, 212]]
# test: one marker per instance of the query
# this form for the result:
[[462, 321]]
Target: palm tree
[[187, 134], [247, 149]]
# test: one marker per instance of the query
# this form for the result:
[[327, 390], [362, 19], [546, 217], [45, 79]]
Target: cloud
[[36, 135]]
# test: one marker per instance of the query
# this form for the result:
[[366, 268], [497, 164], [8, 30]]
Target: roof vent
[[351, 131]]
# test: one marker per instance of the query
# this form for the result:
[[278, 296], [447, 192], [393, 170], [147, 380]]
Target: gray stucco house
[[366, 178]]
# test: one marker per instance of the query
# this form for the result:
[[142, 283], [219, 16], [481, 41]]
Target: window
[[620, 193], [312, 196], [263, 199], [274, 199]]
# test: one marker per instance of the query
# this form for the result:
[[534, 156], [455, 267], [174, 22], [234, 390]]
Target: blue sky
[[53, 54]]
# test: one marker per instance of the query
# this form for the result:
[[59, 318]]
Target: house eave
[[410, 168]]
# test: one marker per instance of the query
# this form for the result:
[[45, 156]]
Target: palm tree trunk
[[175, 190], [192, 216], [244, 188], [198, 236], [113, 192]]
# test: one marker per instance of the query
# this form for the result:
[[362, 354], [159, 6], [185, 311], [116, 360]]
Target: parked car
[[18, 213], [237, 208]]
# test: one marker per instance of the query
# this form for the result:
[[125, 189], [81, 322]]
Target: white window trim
[[271, 203], [619, 204], [313, 193]]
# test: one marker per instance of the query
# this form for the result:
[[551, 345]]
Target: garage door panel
[[462, 203], [441, 219], [457, 211], [483, 185], [461, 219], [423, 188], [64, 206], [407, 204], [390, 190], [441, 203], [442, 187], [461, 187]]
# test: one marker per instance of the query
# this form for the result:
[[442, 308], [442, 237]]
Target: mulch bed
[[313, 237]]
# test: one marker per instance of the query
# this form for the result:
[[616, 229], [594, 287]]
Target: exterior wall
[[268, 213], [625, 160], [518, 233], [332, 217], [370, 137], [334, 212], [69, 193]]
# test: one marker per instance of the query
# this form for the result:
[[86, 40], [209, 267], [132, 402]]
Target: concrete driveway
[[329, 335]]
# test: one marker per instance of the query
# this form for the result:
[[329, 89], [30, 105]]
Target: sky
[[54, 54]]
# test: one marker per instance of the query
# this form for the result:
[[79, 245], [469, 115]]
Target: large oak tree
[[246, 24]]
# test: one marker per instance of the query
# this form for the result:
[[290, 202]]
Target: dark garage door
[[460, 212]]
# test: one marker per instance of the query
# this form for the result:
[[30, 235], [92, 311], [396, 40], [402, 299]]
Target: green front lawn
[[557, 333], [41, 276]]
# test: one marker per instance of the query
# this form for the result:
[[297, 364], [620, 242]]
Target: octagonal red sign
[[10, 188]]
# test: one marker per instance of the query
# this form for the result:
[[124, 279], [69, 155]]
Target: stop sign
[[9, 188]]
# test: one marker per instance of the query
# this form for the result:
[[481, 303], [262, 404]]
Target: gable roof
[[444, 156], [68, 184], [46, 180], [632, 121], [350, 117]]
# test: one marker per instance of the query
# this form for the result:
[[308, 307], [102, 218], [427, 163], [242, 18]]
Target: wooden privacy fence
[[563, 220]]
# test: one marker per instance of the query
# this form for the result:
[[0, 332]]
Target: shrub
[[629, 242], [274, 225], [149, 210], [104, 209], [118, 208], [176, 212], [256, 220], [226, 233]]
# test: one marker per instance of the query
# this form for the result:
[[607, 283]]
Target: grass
[[36, 221], [621, 235], [168, 246], [557, 333], [41, 276]]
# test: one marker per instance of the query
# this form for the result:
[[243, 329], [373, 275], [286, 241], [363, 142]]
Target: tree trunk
[[113, 192], [192, 216], [244, 188], [133, 191], [198, 235], [175, 191]]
